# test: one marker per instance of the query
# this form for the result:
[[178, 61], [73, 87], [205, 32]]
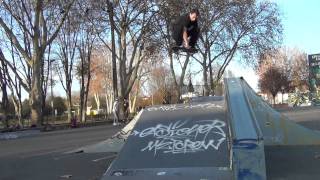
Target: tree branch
[[18, 19], [15, 41], [54, 35]]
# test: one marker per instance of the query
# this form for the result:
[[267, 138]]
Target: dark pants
[[177, 35]]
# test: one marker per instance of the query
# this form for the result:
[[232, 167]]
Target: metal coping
[[243, 122]]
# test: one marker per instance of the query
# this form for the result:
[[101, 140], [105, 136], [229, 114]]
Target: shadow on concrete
[[292, 162]]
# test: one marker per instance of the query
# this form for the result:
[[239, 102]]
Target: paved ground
[[296, 162], [41, 156], [293, 162], [306, 116]]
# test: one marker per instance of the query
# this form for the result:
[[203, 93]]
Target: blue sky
[[301, 23], [301, 20]]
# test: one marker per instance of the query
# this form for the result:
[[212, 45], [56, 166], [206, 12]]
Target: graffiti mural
[[183, 136], [175, 107]]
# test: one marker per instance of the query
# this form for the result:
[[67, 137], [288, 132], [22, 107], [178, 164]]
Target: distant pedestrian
[[115, 112], [74, 121]]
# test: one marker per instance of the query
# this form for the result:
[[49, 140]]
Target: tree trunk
[[109, 101], [173, 74], [114, 59], [81, 118], [69, 106], [122, 70], [97, 99], [211, 80], [183, 73], [132, 101], [84, 115], [113, 49], [205, 80], [82, 102], [274, 99], [4, 104], [36, 94], [87, 92], [17, 108], [19, 113]]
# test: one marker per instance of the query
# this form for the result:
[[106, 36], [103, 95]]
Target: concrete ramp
[[276, 128], [209, 138], [113, 144], [181, 141]]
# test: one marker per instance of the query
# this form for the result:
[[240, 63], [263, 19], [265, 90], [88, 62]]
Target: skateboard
[[178, 49]]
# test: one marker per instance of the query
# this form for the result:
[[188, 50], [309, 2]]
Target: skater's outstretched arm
[[185, 38]]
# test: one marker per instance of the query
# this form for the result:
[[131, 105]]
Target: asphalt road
[[42, 156]]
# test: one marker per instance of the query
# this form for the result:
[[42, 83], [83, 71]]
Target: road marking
[[107, 157]]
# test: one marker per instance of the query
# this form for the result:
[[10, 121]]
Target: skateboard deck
[[177, 49]]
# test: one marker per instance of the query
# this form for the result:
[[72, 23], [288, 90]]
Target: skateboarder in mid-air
[[185, 31]]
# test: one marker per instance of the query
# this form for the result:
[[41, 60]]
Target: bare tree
[[131, 42], [13, 83], [111, 15], [67, 42], [47, 67], [292, 62], [236, 28], [85, 48], [40, 21], [16, 69], [103, 77], [160, 84], [300, 75], [145, 70], [272, 81], [4, 104], [101, 82], [84, 73]]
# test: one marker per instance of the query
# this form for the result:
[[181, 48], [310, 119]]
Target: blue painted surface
[[247, 141], [248, 175], [240, 115], [244, 145]]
